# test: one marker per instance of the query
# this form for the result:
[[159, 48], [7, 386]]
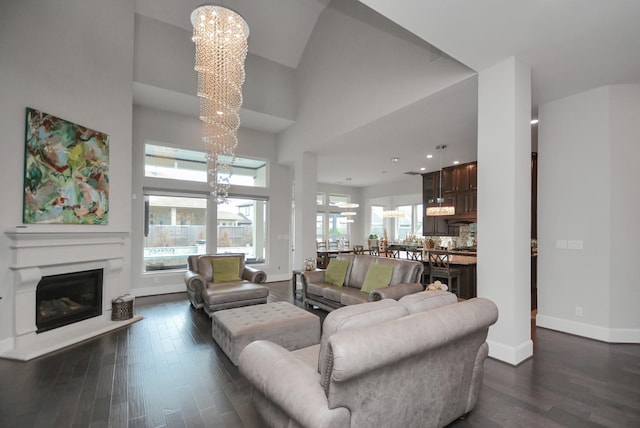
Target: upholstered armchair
[[231, 285]]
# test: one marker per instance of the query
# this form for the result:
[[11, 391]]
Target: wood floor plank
[[167, 371]]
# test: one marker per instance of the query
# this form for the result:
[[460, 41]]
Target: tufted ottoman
[[278, 322]]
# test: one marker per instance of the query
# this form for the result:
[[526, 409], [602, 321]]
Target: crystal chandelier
[[220, 36], [441, 210]]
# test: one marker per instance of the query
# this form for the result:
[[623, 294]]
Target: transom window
[[191, 165]]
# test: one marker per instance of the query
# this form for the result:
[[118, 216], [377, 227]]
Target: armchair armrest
[[395, 292], [312, 276], [254, 275], [195, 283], [290, 384]]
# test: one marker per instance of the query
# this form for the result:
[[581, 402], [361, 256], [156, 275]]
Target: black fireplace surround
[[67, 298]]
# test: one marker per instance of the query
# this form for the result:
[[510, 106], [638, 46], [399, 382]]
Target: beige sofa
[[408, 363], [213, 296], [405, 279]]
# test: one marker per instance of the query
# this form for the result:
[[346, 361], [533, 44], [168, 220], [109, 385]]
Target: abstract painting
[[66, 172]]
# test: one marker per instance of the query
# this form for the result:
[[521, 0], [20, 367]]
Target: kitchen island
[[465, 261]]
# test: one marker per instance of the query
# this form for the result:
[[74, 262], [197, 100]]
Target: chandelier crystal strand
[[220, 37]]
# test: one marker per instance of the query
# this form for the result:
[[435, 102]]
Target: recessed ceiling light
[[429, 156], [456, 162], [395, 159], [534, 121], [422, 169]]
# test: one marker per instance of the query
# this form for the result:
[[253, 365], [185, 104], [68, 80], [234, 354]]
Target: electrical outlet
[[579, 311]]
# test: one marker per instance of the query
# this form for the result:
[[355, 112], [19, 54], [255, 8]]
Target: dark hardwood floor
[[166, 371]]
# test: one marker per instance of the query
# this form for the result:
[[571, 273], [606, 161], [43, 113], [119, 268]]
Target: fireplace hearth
[[67, 298]]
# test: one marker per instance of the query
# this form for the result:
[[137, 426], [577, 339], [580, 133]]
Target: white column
[[504, 205], [305, 189]]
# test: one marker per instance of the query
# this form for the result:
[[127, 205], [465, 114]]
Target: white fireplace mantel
[[37, 248], [36, 253]]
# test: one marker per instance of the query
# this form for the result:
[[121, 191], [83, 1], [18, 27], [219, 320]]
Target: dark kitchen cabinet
[[460, 178], [460, 188], [434, 226]]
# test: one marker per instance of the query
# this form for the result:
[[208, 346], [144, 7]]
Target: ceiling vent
[[412, 173]]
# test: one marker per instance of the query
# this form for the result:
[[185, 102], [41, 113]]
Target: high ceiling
[[571, 46], [279, 29]]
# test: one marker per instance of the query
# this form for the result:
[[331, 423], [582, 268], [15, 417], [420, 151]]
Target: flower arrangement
[[437, 285], [309, 264]]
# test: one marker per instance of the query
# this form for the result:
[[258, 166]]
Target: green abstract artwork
[[66, 172]]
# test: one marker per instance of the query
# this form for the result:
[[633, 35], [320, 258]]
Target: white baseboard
[[159, 289], [279, 277], [513, 355], [603, 334]]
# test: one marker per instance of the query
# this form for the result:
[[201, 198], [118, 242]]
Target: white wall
[[624, 223], [57, 57], [587, 196]]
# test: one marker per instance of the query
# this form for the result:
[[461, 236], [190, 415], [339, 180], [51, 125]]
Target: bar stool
[[441, 268]]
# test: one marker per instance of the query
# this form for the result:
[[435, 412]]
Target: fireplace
[[67, 298], [40, 256]]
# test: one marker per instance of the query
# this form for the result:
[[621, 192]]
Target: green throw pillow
[[336, 271], [378, 276], [226, 269]]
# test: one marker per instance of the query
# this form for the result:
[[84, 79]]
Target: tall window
[[319, 227], [411, 224], [338, 228], [242, 228], [404, 225], [176, 217], [331, 225], [377, 223], [417, 220], [175, 228]]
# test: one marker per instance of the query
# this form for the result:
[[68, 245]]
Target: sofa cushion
[[427, 300], [355, 316], [336, 272], [359, 267], [378, 276], [404, 271], [316, 289], [225, 269], [331, 292], [353, 296], [340, 294]]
